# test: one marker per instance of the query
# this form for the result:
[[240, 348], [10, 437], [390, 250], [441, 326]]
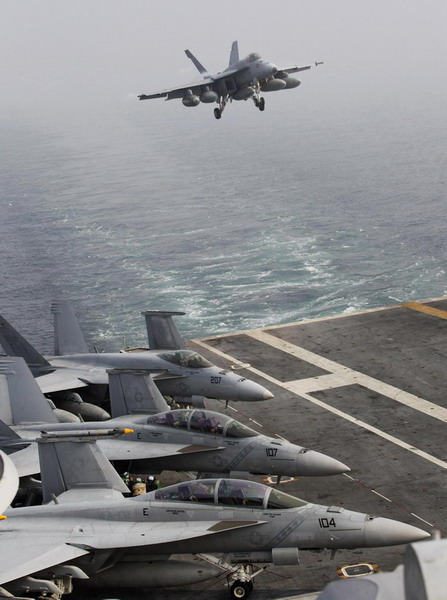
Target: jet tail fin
[[201, 69], [234, 54], [68, 337], [162, 332], [134, 392], [16, 345], [21, 400], [76, 465]]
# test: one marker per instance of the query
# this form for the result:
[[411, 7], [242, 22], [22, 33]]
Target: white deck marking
[[295, 388], [341, 375]]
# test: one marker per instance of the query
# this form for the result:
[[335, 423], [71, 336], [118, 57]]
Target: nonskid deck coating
[[366, 388]]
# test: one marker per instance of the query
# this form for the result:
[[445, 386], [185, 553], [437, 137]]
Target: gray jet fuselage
[[236, 449], [270, 519], [209, 381]]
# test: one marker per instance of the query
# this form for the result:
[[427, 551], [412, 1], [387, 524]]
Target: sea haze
[[303, 211]]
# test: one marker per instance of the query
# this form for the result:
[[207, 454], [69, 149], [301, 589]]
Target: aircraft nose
[[315, 464], [386, 532], [253, 392]]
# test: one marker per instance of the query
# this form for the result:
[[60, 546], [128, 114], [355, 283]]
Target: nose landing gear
[[259, 102]]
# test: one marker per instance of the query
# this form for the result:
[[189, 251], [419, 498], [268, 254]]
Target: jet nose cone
[[253, 392], [314, 464], [386, 532]]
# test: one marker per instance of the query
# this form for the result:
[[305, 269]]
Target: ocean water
[[306, 210]]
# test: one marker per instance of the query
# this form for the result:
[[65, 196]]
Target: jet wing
[[23, 554], [293, 69], [26, 461], [59, 380], [195, 87], [179, 92], [26, 552]]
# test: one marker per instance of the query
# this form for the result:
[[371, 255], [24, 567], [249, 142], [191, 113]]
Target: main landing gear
[[239, 576], [222, 104], [240, 590]]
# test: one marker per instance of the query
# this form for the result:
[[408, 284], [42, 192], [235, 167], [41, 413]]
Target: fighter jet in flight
[[185, 375], [241, 80], [180, 440], [93, 533]]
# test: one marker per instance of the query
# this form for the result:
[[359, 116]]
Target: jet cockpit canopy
[[202, 421], [228, 492], [186, 358]]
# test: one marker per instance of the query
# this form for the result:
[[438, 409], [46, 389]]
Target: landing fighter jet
[[241, 80], [179, 440], [92, 531], [187, 375]]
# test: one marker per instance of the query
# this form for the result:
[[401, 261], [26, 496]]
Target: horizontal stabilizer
[[16, 345], [162, 332], [21, 400], [68, 337], [133, 392]]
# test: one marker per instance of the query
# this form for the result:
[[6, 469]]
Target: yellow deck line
[[424, 308]]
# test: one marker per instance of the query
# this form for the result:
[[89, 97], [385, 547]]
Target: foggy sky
[[59, 53]]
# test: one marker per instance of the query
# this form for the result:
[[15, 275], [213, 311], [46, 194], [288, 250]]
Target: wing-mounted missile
[[133, 392], [161, 330]]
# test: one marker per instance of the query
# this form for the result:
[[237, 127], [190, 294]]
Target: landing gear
[[222, 104], [240, 590], [258, 100], [239, 576]]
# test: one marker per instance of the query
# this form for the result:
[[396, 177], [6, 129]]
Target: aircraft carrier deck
[[367, 388]]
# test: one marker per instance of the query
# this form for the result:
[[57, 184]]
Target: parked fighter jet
[[179, 440], [241, 80], [186, 374], [87, 516]]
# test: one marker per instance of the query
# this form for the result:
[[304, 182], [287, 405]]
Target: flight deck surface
[[368, 389]]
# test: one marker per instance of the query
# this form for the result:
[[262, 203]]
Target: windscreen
[[280, 500]]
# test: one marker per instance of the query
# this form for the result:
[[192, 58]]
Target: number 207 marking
[[327, 523], [216, 379]]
